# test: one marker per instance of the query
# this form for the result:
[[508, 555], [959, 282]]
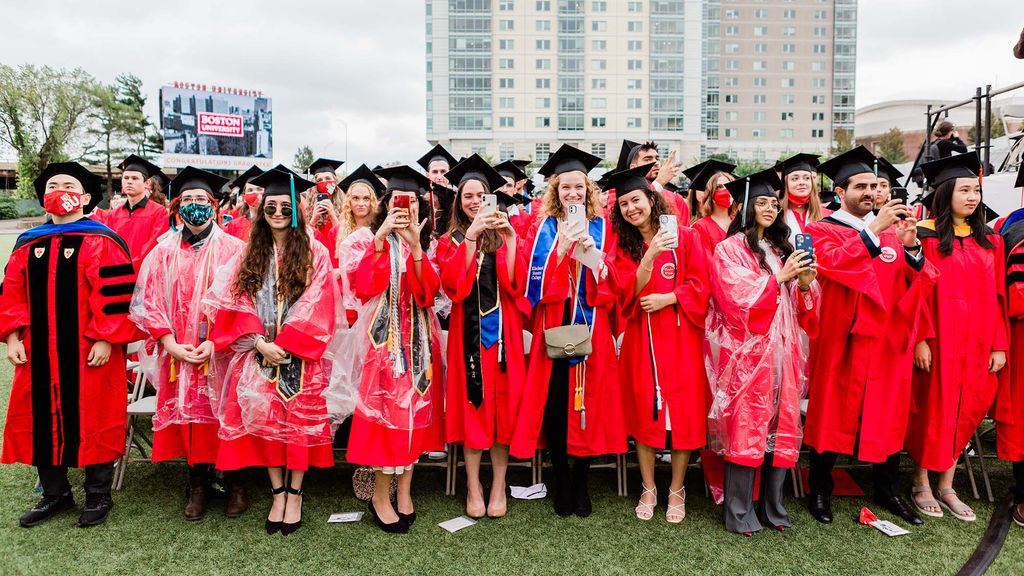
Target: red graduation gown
[[710, 233], [861, 362], [240, 227], [66, 290], [372, 443], [605, 431], [327, 234], [494, 420], [670, 343], [1010, 401], [964, 321], [139, 228]]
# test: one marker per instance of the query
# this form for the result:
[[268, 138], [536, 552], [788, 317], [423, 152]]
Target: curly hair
[[629, 238], [348, 219], [490, 240], [777, 234], [296, 259], [942, 207], [552, 205], [382, 213]]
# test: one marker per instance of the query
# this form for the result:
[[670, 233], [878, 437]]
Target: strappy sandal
[[922, 506], [274, 526], [643, 510], [956, 510], [676, 512]]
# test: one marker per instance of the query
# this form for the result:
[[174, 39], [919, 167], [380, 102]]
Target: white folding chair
[[139, 406]]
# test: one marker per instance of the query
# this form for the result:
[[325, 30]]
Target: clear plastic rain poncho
[[389, 353], [756, 358], [168, 300], [289, 402]]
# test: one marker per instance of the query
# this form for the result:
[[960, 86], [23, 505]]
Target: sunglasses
[[271, 209]]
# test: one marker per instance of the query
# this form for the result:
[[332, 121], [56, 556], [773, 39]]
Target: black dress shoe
[[274, 526], [47, 508], [899, 507], [582, 506], [407, 518], [399, 527], [291, 527], [97, 508], [820, 506]]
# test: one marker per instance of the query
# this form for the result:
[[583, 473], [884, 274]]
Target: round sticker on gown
[[888, 255], [668, 270]]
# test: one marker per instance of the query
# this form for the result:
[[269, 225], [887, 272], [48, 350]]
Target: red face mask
[[795, 200], [723, 198], [325, 187], [251, 198], [62, 202]]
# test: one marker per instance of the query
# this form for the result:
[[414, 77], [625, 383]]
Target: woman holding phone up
[[572, 390], [664, 298]]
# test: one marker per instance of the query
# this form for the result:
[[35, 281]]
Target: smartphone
[[402, 201], [577, 213], [320, 197], [901, 195], [804, 242], [490, 204], [670, 222]]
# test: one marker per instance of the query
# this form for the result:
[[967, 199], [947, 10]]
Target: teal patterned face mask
[[196, 214]]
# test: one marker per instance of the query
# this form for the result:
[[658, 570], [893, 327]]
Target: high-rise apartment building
[[752, 79]]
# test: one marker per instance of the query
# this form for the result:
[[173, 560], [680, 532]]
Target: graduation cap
[[324, 165], [510, 169], [712, 167], [798, 162], [244, 177], [763, 183], [848, 164], [437, 154], [889, 172], [366, 176], [521, 164], [569, 159], [476, 168], [404, 178], [717, 165], [1019, 183], [627, 154], [829, 199], [139, 164], [629, 180], [278, 183], [957, 166], [91, 183], [284, 168], [192, 178]]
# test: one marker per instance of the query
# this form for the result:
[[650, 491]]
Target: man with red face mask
[[240, 226], [138, 222], [325, 220], [64, 316]]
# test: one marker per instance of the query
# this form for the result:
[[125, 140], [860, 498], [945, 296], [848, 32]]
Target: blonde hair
[[552, 205], [813, 205], [348, 219]]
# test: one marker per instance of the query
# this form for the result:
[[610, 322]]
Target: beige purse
[[570, 341]]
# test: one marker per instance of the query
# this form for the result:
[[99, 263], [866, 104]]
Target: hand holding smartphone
[[805, 242], [670, 223]]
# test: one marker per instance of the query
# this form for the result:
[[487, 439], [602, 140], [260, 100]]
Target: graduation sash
[[272, 311], [482, 322]]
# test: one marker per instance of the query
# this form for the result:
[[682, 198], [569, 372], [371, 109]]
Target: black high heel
[[399, 527], [407, 518], [274, 526], [290, 527]]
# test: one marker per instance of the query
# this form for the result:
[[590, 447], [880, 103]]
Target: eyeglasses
[[762, 204], [271, 209]]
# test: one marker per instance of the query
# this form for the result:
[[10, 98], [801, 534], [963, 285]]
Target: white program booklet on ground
[[888, 528], [345, 517], [456, 524]]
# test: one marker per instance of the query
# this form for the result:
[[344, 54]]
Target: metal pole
[[988, 124], [977, 121]]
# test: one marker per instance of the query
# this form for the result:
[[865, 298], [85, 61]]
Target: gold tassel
[[174, 371], [577, 404], [206, 369]]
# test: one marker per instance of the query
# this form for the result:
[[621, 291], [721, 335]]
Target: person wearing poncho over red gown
[[167, 305], [663, 298], [64, 316], [1010, 404], [575, 402], [272, 318], [400, 410], [873, 276], [962, 345]]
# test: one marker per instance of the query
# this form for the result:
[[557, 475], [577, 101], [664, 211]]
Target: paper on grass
[[535, 492], [456, 524], [345, 517]]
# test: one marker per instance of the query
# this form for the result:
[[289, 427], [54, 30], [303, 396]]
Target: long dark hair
[[296, 262], [942, 207], [382, 214], [489, 240], [629, 238], [777, 234]]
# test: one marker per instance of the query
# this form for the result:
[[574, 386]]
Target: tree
[[112, 122], [303, 158], [843, 141], [143, 135], [43, 112], [890, 146], [743, 167], [995, 124]]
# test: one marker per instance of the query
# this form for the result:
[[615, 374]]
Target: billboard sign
[[215, 127]]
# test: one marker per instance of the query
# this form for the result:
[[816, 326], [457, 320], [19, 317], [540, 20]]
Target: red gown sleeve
[[14, 313], [1001, 339], [111, 278], [456, 277], [424, 287], [848, 263], [309, 326], [514, 284], [373, 274], [692, 291]]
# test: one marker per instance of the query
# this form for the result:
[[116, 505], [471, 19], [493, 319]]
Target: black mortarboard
[[889, 172], [696, 169], [135, 163], [363, 174], [763, 183], [829, 199], [521, 164], [798, 162], [956, 166], [324, 165], [568, 159], [1019, 183], [712, 167], [629, 180], [244, 177], [436, 153], [284, 168], [510, 169], [191, 178], [627, 154], [91, 183], [404, 178], [856, 161], [475, 168]]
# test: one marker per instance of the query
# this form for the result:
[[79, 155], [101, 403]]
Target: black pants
[[98, 479], [738, 510], [886, 475], [1018, 482]]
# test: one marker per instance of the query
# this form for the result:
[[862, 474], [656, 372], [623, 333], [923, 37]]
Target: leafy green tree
[[303, 158], [890, 146], [842, 141], [110, 126]]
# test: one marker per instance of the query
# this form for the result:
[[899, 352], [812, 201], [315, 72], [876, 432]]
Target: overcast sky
[[326, 63]]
